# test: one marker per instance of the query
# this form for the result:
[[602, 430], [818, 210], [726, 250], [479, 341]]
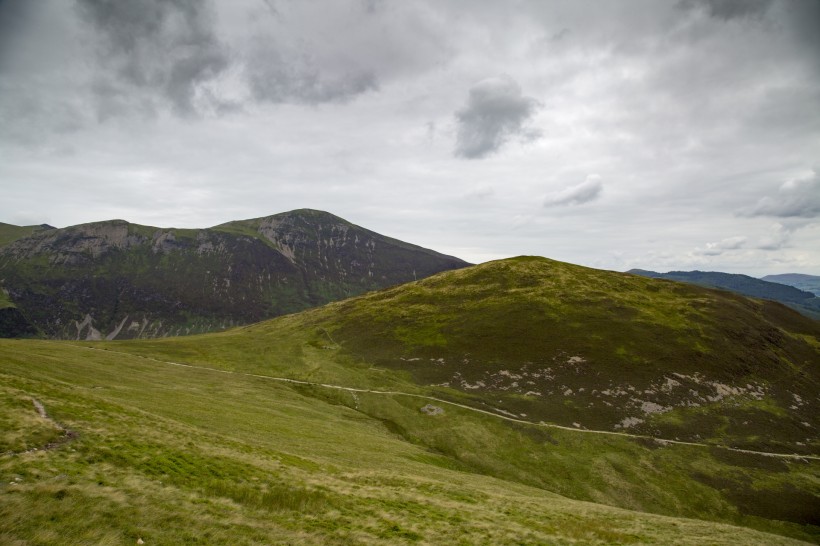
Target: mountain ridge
[[802, 301], [115, 279], [809, 283]]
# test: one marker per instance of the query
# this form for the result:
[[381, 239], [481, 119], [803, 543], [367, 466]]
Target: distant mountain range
[[805, 302], [118, 280], [809, 283]]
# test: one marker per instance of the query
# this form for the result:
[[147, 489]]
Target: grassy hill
[[477, 371], [802, 300], [115, 279]]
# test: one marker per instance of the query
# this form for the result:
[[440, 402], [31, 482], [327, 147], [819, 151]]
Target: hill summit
[[594, 349]]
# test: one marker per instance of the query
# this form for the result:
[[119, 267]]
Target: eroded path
[[660, 441], [67, 436]]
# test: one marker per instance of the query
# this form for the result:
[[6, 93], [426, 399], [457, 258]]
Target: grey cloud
[[730, 9], [167, 47], [588, 190], [795, 199], [778, 239], [480, 193], [277, 75], [314, 53], [496, 112], [271, 7]]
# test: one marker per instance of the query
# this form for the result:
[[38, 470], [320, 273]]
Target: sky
[[663, 135]]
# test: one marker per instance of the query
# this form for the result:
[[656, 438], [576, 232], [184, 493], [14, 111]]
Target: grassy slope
[[177, 455], [10, 233], [629, 331]]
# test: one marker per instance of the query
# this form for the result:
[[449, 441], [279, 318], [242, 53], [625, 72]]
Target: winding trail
[[68, 434], [660, 441]]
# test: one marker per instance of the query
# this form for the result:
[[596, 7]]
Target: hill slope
[[530, 340], [802, 301], [120, 280], [178, 455]]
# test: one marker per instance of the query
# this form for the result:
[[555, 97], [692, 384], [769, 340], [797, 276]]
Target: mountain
[[120, 280], [517, 401], [802, 301], [809, 283]]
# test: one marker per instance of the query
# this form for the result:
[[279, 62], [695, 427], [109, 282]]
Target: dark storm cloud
[[313, 53], [14, 15], [496, 112], [730, 9], [795, 199], [588, 190], [164, 46]]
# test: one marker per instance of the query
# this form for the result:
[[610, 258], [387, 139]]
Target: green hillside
[[598, 349], [117, 280], [528, 340], [130, 448], [10, 233]]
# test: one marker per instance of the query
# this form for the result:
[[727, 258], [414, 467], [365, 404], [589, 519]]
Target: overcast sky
[[680, 134]]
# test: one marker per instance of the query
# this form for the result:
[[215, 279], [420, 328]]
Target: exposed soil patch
[[68, 434]]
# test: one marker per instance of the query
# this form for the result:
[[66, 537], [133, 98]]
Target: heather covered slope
[[582, 347], [116, 280]]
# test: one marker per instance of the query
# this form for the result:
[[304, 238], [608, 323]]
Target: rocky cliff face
[[116, 280]]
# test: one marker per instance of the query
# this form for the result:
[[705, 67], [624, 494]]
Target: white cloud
[[719, 247]]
